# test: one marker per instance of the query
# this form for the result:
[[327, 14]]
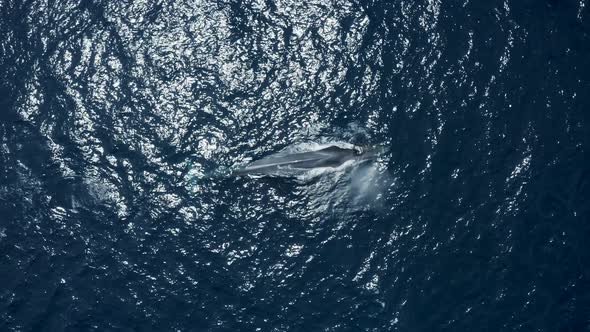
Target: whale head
[[368, 152]]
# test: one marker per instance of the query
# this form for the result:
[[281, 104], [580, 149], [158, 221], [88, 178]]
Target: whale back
[[332, 156]]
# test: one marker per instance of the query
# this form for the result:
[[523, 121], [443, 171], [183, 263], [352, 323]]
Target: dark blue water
[[116, 118]]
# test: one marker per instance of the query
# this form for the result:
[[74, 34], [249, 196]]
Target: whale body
[[332, 156]]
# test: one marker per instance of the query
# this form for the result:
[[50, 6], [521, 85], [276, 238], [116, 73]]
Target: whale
[[329, 157]]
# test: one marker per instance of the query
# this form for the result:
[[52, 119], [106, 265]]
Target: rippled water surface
[[120, 123]]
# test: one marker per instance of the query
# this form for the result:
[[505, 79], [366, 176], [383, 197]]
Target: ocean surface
[[120, 123]]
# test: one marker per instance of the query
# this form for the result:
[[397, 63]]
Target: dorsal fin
[[332, 148]]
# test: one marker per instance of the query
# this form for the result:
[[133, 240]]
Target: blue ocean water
[[119, 119]]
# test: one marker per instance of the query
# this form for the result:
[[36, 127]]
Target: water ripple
[[121, 122]]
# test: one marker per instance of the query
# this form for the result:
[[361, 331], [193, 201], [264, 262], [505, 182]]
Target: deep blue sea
[[121, 121]]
